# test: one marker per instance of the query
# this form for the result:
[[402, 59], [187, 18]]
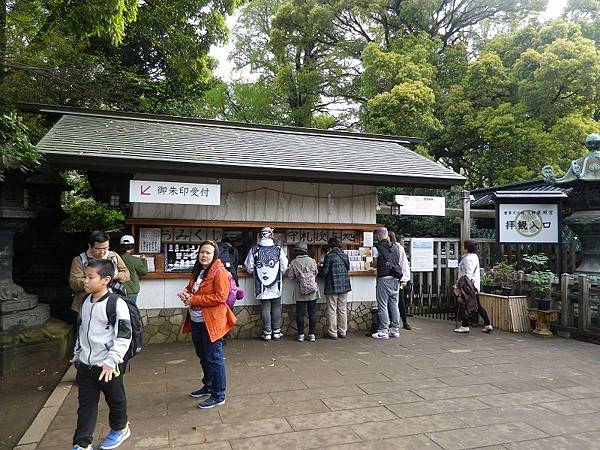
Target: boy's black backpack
[[137, 330]]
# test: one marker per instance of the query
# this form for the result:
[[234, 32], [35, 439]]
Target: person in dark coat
[[337, 286]]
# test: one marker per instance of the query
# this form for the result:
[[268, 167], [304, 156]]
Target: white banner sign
[[174, 193], [319, 237], [416, 205], [528, 223], [421, 254]]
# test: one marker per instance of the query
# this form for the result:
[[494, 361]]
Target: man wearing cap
[[137, 266], [268, 263]]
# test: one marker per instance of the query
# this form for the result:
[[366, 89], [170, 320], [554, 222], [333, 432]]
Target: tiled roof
[[140, 142]]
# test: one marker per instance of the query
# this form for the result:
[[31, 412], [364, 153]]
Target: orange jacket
[[210, 298]]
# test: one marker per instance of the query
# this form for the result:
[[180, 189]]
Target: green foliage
[[83, 212], [504, 274], [16, 152], [541, 283], [538, 261]]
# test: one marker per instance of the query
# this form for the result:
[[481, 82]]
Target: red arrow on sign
[[144, 191]]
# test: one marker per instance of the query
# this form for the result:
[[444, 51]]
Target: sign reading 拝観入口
[[174, 193], [528, 223]]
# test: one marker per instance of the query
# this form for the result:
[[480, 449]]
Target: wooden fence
[[431, 294], [579, 306]]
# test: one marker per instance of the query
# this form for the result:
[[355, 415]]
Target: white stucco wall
[[158, 294], [270, 201]]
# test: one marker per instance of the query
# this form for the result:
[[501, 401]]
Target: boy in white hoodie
[[99, 359]]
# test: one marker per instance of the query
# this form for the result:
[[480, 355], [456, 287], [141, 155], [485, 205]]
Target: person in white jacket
[[99, 358], [268, 263]]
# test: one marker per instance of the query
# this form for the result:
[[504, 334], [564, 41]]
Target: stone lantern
[[584, 200]]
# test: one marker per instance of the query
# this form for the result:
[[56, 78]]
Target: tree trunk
[[2, 39]]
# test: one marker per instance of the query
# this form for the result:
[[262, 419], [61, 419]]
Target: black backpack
[[137, 329]]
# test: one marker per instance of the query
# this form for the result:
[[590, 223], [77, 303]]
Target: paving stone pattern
[[429, 389]]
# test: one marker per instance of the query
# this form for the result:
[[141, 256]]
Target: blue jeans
[[211, 360]]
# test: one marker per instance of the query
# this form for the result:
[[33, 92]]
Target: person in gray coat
[[304, 270]]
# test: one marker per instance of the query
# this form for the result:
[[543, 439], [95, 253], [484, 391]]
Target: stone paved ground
[[430, 389]]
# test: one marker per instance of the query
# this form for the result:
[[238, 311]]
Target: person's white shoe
[[300, 338], [381, 334], [266, 336], [487, 329], [394, 333], [462, 330]]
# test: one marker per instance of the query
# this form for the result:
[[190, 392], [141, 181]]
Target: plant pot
[[543, 304], [487, 289], [507, 291]]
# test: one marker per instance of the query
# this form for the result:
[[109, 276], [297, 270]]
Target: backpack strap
[[84, 260], [111, 309]]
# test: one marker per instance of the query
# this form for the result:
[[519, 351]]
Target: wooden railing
[[579, 307]]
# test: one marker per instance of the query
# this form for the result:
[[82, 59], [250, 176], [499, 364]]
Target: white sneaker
[[487, 329], [266, 335], [300, 338], [394, 333], [277, 334], [462, 330], [381, 334], [312, 338]]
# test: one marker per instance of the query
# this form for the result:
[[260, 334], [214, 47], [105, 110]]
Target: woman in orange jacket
[[209, 319]]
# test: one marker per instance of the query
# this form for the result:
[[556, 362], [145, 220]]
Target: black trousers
[[481, 311], [312, 316], [89, 395]]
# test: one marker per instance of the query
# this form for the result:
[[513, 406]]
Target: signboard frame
[[529, 200]]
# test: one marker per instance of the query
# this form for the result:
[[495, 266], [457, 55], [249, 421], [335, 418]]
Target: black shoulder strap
[[111, 309]]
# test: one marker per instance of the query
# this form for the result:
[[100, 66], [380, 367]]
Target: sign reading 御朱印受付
[[174, 193], [528, 223]]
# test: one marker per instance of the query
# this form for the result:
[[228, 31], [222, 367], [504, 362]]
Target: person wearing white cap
[[268, 263], [137, 266]]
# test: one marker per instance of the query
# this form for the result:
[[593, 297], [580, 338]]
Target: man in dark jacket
[[337, 286], [386, 257]]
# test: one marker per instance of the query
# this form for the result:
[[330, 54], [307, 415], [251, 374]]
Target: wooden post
[[585, 318], [565, 302], [465, 223]]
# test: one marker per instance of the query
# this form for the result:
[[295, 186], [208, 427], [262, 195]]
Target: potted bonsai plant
[[540, 279], [487, 283], [505, 275], [541, 288]]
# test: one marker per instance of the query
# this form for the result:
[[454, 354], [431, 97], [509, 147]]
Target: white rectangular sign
[[528, 223], [174, 193], [421, 254], [149, 240], [417, 205]]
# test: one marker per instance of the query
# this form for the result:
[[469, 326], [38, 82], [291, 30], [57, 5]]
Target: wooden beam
[[450, 212], [248, 224]]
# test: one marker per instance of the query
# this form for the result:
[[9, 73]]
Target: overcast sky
[[225, 70]]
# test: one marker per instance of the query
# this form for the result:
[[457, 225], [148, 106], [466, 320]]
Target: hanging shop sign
[[319, 237], [528, 223], [174, 193], [190, 235], [421, 254], [417, 205]]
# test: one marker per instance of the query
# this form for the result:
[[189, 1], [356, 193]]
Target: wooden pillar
[[585, 319], [465, 224], [565, 301]]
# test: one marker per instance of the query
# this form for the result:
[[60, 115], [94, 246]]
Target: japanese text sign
[[417, 205], [174, 193], [319, 237], [150, 240], [528, 223]]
